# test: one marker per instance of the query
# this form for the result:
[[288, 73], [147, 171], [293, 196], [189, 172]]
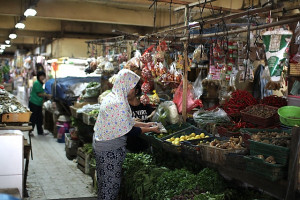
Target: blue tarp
[[63, 87]]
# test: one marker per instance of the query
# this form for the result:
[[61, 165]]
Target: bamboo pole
[[287, 21], [186, 63]]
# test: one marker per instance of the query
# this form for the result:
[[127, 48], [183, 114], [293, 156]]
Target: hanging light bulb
[[7, 41], [2, 46], [12, 36], [20, 25], [1, 50], [7, 45], [30, 12]]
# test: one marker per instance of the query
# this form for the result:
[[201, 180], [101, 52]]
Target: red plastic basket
[[263, 122]]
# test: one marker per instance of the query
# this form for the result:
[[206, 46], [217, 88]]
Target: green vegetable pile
[[144, 180], [94, 112], [92, 84], [88, 148]]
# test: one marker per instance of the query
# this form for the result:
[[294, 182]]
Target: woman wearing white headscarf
[[113, 123]]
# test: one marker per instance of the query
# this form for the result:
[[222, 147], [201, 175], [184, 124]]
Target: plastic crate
[[224, 132], [281, 154], [156, 141], [272, 172], [263, 122], [248, 132], [173, 148]]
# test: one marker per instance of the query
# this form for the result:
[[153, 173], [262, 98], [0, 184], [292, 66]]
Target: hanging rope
[[154, 17], [170, 13]]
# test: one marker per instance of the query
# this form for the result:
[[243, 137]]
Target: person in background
[[140, 112], [37, 96], [113, 124]]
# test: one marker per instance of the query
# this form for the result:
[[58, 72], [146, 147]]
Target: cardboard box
[[16, 117]]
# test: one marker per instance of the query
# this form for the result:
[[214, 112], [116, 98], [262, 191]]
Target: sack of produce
[[166, 113], [216, 116], [92, 90]]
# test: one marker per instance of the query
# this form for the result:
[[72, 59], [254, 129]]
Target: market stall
[[221, 96]]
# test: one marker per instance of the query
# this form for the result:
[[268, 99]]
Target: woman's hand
[[150, 124], [155, 129]]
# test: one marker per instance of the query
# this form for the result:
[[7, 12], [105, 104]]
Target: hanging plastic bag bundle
[[191, 102], [198, 89], [276, 45]]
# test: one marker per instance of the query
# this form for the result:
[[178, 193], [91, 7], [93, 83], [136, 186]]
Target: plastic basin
[[289, 115]]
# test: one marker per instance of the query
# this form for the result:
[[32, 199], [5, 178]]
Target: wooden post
[[293, 170], [129, 49], [186, 64]]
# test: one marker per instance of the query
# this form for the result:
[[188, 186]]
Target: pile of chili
[[274, 101], [239, 100]]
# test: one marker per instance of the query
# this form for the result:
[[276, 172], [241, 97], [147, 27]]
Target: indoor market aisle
[[52, 176]]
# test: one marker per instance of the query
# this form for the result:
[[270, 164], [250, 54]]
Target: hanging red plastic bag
[[191, 103]]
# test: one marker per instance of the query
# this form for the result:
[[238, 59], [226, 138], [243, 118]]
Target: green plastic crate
[[247, 132], [170, 147], [272, 172], [156, 141], [281, 154]]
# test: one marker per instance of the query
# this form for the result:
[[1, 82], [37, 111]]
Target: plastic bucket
[[289, 115]]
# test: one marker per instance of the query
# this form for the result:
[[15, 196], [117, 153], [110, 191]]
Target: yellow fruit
[[206, 136], [177, 139], [182, 137], [172, 139], [168, 140], [197, 137], [202, 135], [176, 143], [193, 134], [181, 140]]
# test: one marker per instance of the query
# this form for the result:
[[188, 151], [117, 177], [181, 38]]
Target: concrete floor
[[52, 176]]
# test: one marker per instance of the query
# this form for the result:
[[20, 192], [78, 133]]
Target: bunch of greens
[[94, 112], [144, 180], [92, 84], [88, 148]]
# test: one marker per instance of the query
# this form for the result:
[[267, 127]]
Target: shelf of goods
[[11, 110]]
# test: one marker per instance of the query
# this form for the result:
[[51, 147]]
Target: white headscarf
[[115, 117]]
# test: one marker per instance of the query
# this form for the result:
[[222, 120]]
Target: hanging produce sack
[[191, 103], [166, 113], [276, 47]]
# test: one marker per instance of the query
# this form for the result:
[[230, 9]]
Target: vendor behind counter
[[141, 113]]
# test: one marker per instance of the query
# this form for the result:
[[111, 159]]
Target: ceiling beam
[[90, 12], [191, 5]]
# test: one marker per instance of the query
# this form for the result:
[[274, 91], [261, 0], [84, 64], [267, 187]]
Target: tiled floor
[[52, 176]]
